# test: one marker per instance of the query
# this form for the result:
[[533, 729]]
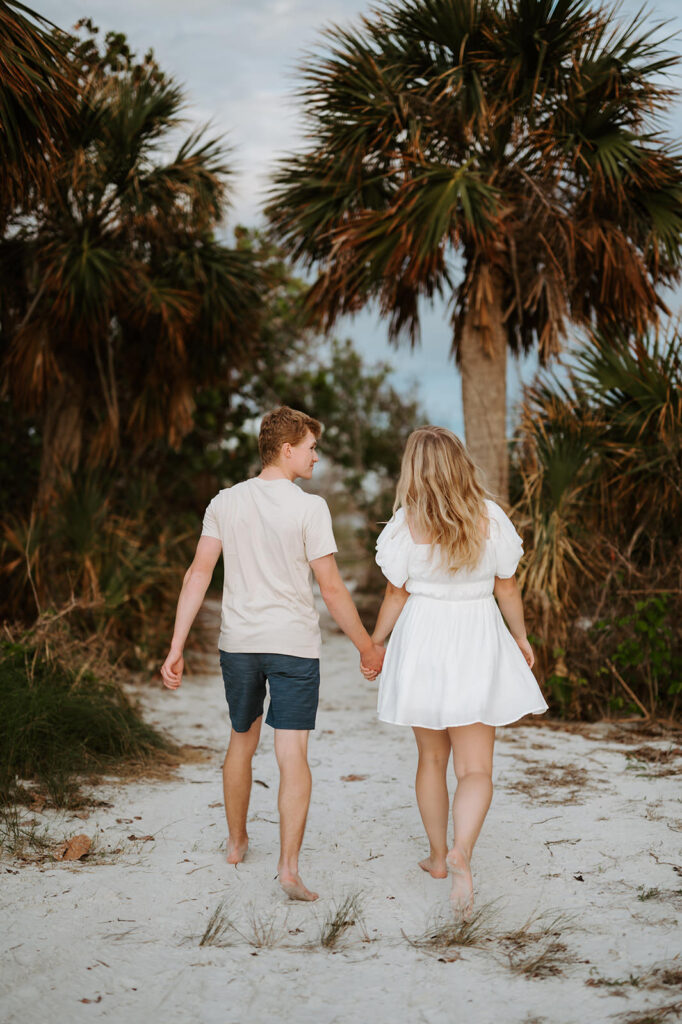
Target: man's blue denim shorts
[[294, 689]]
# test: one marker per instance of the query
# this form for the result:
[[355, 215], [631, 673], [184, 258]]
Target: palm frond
[[37, 99]]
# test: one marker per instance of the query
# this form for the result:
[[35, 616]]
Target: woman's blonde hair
[[443, 497]]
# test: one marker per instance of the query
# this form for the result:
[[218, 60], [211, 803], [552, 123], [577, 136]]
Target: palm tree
[[37, 97], [503, 153], [123, 301], [598, 463]]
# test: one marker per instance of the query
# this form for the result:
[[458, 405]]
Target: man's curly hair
[[281, 426]]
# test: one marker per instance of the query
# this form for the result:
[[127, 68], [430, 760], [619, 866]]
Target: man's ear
[[285, 450]]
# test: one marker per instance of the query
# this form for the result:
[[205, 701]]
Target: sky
[[237, 60]]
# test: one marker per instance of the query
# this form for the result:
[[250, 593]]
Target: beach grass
[[534, 950], [20, 836], [218, 927], [339, 918], [444, 933], [58, 721]]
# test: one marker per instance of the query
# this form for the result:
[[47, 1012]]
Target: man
[[271, 534]]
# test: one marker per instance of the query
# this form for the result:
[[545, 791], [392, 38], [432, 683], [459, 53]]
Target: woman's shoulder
[[494, 510], [396, 524], [497, 515], [393, 548]]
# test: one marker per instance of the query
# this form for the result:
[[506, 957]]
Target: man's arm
[[341, 608], [194, 587]]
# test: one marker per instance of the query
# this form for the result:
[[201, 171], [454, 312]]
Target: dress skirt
[[454, 662]]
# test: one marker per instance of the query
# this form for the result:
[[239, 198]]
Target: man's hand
[[172, 669], [371, 660]]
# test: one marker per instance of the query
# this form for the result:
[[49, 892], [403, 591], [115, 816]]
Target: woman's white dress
[[451, 659]]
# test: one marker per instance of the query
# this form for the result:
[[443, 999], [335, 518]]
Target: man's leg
[[237, 788], [291, 750]]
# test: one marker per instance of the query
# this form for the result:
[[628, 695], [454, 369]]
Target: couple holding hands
[[452, 670]]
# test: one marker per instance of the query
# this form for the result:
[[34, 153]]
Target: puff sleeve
[[507, 544], [393, 549]]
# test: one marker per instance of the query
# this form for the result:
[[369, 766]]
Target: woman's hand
[[526, 650]]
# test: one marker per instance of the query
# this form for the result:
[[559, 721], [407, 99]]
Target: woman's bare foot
[[294, 887], [462, 892], [435, 866], [236, 850]]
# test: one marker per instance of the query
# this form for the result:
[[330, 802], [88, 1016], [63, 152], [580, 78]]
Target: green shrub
[[57, 721]]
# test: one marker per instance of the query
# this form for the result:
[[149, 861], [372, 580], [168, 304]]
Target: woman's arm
[[391, 607], [509, 599]]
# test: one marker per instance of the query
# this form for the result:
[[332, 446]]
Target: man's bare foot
[[435, 866], [294, 887], [462, 892], [236, 851]]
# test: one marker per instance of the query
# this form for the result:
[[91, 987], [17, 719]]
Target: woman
[[453, 671]]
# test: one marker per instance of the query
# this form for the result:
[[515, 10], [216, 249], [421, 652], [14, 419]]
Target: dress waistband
[[442, 595]]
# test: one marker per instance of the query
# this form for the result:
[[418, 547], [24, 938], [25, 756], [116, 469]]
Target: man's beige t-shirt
[[270, 530]]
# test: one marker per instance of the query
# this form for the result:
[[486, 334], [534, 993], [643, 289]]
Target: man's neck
[[275, 472]]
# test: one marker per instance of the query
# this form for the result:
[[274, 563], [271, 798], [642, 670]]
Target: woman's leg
[[472, 749], [432, 795]]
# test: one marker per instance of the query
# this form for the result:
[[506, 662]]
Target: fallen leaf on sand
[[73, 849], [124, 821], [98, 1000], [140, 839], [353, 778]]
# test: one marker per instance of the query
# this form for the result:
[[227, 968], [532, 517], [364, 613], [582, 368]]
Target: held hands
[[526, 650], [172, 669], [371, 661]]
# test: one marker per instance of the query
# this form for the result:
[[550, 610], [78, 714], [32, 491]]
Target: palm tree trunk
[[62, 435], [482, 357]]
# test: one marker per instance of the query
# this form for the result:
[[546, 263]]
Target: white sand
[[123, 930]]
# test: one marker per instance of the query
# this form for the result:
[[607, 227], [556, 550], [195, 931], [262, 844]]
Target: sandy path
[[575, 828]]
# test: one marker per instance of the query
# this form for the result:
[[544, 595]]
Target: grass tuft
[[546, 961], [442, 933], [656, 1015], [534, 949], [266, 931], [218, 927], [18, 836], [339, 919], [648, 894]]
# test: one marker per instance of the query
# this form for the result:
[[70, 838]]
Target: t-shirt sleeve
[[210, 527], [318, 535], [507, 544]]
